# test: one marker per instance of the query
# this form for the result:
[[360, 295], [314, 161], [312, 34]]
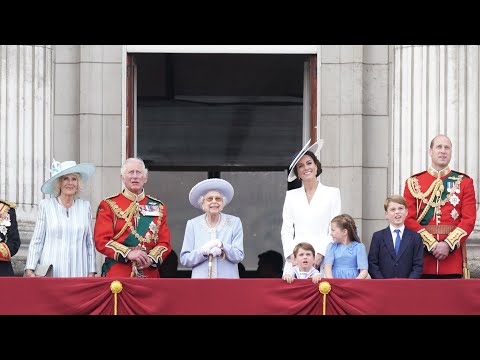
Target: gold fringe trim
[[436, 190]]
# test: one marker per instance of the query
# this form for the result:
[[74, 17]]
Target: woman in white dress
[[213, 242], [308, 210], [63, 231]]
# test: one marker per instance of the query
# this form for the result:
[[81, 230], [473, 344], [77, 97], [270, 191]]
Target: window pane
[[219, 133]]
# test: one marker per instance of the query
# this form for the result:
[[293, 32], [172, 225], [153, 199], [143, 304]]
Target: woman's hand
[[215, 251], [28, 273], [318, 260], [205, 249]]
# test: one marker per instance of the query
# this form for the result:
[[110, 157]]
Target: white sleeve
[[287, 231]]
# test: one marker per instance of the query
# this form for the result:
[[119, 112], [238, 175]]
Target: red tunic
[[456, 207], [113, 239]]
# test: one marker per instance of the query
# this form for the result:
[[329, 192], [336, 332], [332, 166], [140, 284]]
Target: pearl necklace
[[218, 226]]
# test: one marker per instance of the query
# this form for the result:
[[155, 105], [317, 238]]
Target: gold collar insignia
[[438, 174], [134, 197]]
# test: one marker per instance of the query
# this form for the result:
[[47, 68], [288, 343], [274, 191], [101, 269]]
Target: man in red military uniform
[[442, 208], [9, 237], [131, 229]]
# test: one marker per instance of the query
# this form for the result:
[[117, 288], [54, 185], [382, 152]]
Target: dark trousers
[[446, 276]]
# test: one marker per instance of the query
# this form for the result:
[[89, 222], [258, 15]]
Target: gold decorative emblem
[[454, 214], [432, 197], [454, 200]]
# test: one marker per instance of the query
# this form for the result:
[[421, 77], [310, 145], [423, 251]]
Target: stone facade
[[374, 102]]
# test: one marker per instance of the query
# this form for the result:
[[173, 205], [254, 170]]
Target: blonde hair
[[57, 185], [396, 199]]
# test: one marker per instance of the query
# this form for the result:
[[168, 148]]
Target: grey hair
[[201, 198], [123, 170], [58, 184]]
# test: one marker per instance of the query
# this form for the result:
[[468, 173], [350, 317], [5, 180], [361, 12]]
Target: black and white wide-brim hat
[[315, 148], [67, 167]]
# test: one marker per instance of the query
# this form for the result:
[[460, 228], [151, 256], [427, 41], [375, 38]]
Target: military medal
[[150, 210], [454, 214], [450, 187], [454, 200], [4, 223]]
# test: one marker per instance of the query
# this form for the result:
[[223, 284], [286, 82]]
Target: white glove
[[216, 251], [207, 246], [218, 243]]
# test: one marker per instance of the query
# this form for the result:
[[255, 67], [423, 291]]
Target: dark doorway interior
[[235, 116]]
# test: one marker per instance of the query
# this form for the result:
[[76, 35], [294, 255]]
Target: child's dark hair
[[345, 221]]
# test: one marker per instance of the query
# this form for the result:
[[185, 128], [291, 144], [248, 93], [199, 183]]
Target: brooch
[[454, 214], [454, 200], [4, 223]]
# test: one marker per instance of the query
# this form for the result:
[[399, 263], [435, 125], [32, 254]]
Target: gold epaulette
[[109, 197], [417, 174], [11, 204], [151, 197], [460, 173]]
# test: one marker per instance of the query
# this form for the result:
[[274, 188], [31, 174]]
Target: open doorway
[[240, 117]]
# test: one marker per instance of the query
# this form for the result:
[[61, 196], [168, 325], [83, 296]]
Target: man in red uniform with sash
[[442, 208], [131, 229], [9, 237]]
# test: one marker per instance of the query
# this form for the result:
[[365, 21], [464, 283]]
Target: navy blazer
[[384, 264]]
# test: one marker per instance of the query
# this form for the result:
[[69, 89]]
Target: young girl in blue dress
[[346, 256]]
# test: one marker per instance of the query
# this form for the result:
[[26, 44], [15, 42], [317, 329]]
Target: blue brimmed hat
[[67, 167], [315, 148], [205, 186]]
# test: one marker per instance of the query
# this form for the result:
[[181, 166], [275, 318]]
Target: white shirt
[[394, 234]]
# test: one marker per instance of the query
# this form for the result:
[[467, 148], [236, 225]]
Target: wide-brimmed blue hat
[[315, 148], [67, 167], [205, 186]]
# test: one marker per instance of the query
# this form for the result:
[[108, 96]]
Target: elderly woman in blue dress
[[63, 231], [213, 242]]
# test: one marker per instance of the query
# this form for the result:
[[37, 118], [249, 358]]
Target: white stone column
[[25, 129], [435, 91]]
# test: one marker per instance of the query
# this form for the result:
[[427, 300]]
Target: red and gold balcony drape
[[82, 296]]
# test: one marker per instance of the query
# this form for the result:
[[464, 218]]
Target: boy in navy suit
[[396, 251]]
